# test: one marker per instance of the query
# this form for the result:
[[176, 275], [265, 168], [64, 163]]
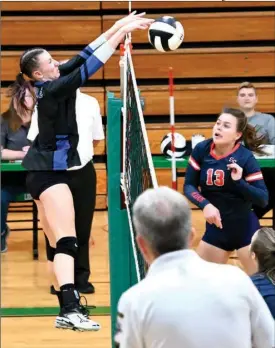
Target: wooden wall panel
[[49, 5], [184, 4], [199, 63], [199, 99], [202, 27], [50, 30]]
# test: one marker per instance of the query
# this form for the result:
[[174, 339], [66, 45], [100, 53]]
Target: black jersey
[[209, 172], [55, 146]]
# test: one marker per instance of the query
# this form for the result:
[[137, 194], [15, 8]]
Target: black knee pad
[[67, 245]]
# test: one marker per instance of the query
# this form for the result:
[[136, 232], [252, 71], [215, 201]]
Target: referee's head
[[162, 220]]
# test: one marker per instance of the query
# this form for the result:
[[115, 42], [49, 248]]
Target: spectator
[[185, 301], [265, 125], [14, 146]]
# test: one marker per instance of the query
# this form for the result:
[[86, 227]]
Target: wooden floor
[[24, 283]]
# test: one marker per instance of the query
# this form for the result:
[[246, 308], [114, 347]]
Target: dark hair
[[264, 248], [17, 91], [249, 134], [247, 85]]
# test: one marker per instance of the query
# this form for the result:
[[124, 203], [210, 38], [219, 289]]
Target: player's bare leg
[[52, 241], [211, 253], [58, 206]]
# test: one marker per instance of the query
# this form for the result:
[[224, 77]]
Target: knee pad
[[68, 246], [50, 251]]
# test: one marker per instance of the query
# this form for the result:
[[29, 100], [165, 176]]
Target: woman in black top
[[14, 146], [58, 173], [263, 251]]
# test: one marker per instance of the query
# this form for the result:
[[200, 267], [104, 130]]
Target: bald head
[[162, 217]]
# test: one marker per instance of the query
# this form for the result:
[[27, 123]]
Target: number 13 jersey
[[208, 180]]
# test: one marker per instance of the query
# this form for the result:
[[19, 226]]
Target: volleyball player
[[263, 252], [59, 169], [230, 181]]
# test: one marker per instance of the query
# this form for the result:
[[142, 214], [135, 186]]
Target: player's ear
[[238, 135], [144, 248]]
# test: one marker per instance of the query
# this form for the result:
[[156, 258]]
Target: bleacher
[[225, 43]]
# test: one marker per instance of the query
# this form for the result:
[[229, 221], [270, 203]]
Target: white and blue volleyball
[[179, 144], [166, 34]]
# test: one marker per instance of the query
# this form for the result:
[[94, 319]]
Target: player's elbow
[[263, 199]]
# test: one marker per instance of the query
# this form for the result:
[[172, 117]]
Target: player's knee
[[67, 245], [50, 251]]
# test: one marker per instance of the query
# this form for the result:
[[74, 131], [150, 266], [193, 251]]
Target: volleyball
[[166, 34], [179, 144]]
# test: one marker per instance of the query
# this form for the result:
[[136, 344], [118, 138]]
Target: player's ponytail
[[263, 245], [249, 133], [29, 61]]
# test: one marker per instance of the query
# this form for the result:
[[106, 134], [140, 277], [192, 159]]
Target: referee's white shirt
[[186, 302]]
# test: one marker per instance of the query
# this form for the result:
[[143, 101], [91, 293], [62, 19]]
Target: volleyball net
[[130, 172], [138, 172]]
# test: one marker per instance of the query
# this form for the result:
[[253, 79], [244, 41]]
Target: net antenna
[[172, 127], [138, 171]]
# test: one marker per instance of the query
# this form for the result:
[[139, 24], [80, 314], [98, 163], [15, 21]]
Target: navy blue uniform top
[[55, 147], [266, 289], [209, 172]]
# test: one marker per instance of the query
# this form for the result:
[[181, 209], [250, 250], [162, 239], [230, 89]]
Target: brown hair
[[264, 248], [246, 85], [17, 105], [17, 91], [249, 133]]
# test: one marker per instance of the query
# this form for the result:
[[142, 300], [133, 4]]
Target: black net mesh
[[137, 170]]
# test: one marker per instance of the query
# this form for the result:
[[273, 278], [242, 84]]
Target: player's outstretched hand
[[212, 215], [141, 23], [236, 171], [129, 19]]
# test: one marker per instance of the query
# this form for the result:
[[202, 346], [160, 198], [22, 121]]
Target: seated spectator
[[263, 251], [184, 301], [265, 125], [14, 146]]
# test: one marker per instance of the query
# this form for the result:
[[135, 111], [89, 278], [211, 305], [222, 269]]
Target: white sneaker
[[75, 320]]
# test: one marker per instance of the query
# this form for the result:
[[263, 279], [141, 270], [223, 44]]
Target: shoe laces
[[84, 306]]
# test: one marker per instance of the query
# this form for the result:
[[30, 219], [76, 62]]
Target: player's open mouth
[[217, 135]]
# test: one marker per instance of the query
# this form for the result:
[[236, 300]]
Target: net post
[[119, 232]]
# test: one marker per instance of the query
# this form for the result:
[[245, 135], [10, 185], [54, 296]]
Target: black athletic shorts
[[39, 181], [234, 235]]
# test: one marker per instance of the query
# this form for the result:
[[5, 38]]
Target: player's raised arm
[[69, 83], [76, 61]]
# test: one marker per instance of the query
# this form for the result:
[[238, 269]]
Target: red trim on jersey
[[254, 177], [194, 164], [223, 156]]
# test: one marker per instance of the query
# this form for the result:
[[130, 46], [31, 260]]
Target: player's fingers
[[140, 14], [218, 223], [232, 165]]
